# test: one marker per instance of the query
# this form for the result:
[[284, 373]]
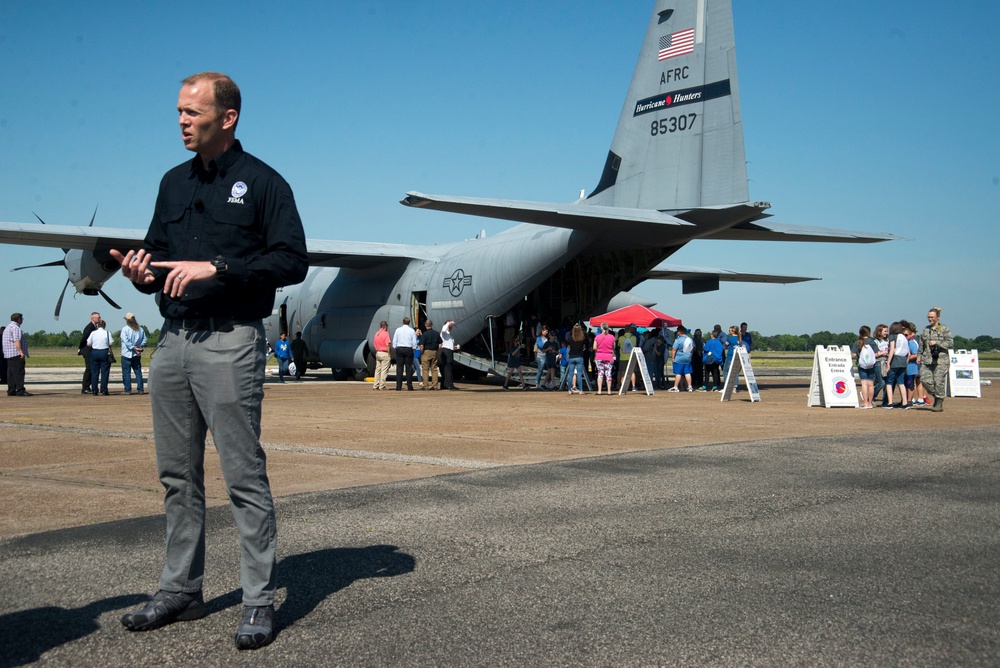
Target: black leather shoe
[[23, 393], [166, 607], [256, 628]]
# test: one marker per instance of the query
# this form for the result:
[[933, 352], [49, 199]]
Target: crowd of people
[[892, 361], [895, 358], [573, 358], [423, 354]]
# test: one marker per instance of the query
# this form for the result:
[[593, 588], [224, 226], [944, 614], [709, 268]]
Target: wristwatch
[[220, 267]]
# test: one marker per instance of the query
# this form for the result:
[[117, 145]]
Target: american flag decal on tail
[[676, 44]]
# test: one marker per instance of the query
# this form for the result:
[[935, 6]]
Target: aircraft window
[[665, 15]]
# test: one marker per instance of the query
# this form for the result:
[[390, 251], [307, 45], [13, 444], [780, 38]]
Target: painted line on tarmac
[[77, 430], [284, 447], [385, 456]]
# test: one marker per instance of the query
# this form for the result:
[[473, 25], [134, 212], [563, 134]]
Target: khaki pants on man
[[429, 368], [382, 361]]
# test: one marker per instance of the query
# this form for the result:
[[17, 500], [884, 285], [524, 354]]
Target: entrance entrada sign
[[832, 381]]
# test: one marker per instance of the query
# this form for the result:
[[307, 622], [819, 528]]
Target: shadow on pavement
[[310, 577], [27, 634]]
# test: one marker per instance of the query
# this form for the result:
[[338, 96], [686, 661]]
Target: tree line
[[778, 342], [43, 339], [808, 342]]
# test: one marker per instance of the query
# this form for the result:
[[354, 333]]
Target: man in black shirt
[[430, 341], [225, 235], [299, 352], [84, 351]]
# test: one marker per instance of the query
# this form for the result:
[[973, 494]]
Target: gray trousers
[[213, 380]]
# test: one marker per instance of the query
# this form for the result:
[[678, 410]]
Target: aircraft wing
[[635, 226], [646, 227], [351, 254], [68, 236], [737, 222], [706, 279], [362, 255]]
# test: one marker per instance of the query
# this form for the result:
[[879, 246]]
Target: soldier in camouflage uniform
[[935, 342]]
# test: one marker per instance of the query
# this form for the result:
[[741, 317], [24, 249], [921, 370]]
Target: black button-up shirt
[[238, 208]]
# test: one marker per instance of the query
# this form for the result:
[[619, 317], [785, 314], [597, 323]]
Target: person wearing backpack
[[864, 352], [915, 390], [899, 351], [681, 354]]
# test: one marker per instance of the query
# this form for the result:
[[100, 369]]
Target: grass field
[[64, 357], [67, 357]]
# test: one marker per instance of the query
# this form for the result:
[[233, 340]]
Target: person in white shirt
[[404, 341], [100, 342], [446, 356]]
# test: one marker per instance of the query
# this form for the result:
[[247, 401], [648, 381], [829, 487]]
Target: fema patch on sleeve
[[239, 189]]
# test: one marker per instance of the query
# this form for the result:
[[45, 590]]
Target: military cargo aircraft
[[675, 173]]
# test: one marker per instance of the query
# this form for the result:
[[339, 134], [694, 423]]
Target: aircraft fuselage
[[338, 310]]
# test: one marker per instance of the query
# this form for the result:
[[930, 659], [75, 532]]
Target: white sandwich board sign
[[637, 358], [832, 382], [963, 374], [740, 364]]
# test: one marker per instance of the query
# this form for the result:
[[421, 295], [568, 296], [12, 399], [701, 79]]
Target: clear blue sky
[[859, 115]]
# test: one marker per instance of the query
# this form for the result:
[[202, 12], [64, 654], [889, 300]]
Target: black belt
[[209, 324]]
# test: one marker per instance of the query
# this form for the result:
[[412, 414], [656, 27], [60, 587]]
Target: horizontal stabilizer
[[767, 231]]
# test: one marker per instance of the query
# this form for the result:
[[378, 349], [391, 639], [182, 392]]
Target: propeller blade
[[61, 295], [109, 299], [92, 218], [64, 250], [54, 263]]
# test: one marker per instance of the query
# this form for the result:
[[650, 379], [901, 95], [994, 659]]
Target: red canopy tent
[[636, 314]]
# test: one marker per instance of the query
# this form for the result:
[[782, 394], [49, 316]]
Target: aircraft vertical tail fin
[[679, 141]]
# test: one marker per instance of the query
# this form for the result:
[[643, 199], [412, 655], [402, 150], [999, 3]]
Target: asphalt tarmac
[[817, 550]]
